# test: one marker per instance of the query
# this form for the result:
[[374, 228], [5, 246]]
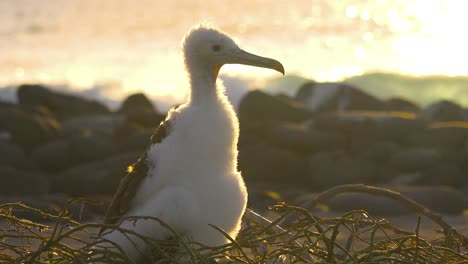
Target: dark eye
[[216, 48]]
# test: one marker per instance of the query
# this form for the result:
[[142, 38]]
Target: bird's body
[[188, 177]]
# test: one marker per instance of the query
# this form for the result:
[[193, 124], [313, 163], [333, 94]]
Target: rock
[[53, 156], [363, 129], [401, 105], [385, 126], [445, 173], [413, 159], [303, 139], [98, 177], [132, 137], [258, 106], [65, 153], [397, 128], [62, 105], [135, 142], [18, 182], [260, 200], [440, 199], [146, 119], [410, 178], [328, 169], [135, 103], [279, 192], [27, 128], [442, 111], [381, 151], [465, 114], [441, 136], [139, 109], [91, 147], [262, 162], [332, 97], [12, 155], [305, 93], [96, 125], [464, 190]]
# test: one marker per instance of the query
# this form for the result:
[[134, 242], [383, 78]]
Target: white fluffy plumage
[[192, 179]]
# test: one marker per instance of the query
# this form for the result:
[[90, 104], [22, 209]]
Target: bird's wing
[[130, 182]]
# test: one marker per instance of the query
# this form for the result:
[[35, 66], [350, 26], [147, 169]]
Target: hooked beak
[[243, 57]]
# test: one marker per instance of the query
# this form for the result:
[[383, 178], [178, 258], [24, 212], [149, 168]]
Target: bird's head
[[214, 48]]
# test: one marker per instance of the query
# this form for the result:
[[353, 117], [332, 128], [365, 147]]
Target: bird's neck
[[202, 77]]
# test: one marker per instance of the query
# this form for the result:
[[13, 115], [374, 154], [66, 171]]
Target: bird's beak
[[243, 57]]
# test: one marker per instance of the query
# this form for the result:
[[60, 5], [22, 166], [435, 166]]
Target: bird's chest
[[208, 134], [208, 131], [202, 141]]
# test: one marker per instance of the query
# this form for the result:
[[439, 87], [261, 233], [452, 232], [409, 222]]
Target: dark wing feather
[[130, 182]]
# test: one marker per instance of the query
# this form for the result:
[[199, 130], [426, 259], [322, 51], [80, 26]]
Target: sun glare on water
[[440, 45], [125, 43]]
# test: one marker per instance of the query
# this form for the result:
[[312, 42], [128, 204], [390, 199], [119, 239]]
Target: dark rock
[[328, 169], [136, 103], [132, 137], [442, 111], [445, 173], [91, 147], [301, 138], [62, 105], [96, 125], [414, 159], [401, 105], [258, 106], [397, 128], [12, 155], [305, 93], [98, 177], [410, 178], [444, 137], [146, 119], [27, 128], [135, 142], [18, 182], [139, 110], [332, 97], [359, 130], [287, 192], [262, 162], [127, 130], [465, 114], [464, 190], [65, 153], [381, 151], [363, 129], [440, 199], [53, 156], [261, 200]]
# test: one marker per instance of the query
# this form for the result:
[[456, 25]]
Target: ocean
[[107, 49]]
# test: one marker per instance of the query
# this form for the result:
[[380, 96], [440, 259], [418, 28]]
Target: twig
[[377, 191]]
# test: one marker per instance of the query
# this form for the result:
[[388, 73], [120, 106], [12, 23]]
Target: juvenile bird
[[188, 176]]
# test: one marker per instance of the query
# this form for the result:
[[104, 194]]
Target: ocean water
[[107, 49]]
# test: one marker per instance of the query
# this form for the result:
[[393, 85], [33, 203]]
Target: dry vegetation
[[296, 236]]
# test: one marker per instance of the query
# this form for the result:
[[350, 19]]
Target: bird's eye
[[216, 48]]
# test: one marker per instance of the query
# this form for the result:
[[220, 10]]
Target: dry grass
[[353, 237]]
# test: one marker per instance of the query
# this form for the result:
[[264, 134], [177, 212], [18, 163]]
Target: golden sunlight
[[440, 45]]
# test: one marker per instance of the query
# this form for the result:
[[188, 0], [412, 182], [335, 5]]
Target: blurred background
[[117, 47]]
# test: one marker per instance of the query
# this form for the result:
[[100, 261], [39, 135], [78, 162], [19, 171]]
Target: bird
[[188, 176]]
